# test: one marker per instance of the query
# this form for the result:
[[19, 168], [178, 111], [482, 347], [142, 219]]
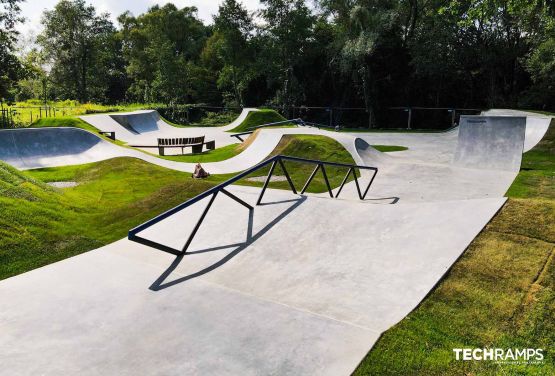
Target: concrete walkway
[[303, 286], [143, 127], [308, 293]]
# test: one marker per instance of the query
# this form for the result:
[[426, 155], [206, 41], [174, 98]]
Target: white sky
[[32, 9]]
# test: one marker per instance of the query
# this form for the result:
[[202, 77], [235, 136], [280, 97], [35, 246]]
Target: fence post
[[410, 118]]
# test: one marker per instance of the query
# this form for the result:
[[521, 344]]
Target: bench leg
[[160, 151], [197, 149]]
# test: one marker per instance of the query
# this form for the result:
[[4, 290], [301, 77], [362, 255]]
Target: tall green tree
[[361, 28], [162, 47], [10, 68], [229, 50], [81, 48], [286, 35]]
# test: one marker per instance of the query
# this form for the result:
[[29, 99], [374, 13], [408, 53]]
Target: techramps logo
[[501, 356]]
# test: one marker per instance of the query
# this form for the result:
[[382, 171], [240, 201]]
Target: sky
[[32, 9]]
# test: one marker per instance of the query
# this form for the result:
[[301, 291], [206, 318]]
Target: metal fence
[[411, 118], [15, 116], [423, 118]]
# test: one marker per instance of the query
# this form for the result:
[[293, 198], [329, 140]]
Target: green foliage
[[11, 69], [40, 225], [79, 45], [260, 117], [500, 294], [374, 54], [161, 49]]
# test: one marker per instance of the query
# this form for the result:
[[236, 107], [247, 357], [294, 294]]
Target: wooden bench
[[196, 144]]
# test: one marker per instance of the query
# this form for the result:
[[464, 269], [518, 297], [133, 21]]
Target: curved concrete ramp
[[369, 155], [142, 128], [490, 142], [48, 147], [304, 285], [30, 148], [536, 124]]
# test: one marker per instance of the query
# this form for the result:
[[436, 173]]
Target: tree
[[10, 68], [286, 36], [229, 47], [81, 48], [361, 28], [162, 48]]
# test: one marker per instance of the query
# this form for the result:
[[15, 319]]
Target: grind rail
[[214, 191]]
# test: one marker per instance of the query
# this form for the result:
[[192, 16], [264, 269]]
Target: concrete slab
[[491, 142], [536, 124], [271, 306], [94, 314], [304, 286], [142, 128]]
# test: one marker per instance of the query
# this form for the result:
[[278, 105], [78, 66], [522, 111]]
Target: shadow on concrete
[[160, 284], [392, 200]]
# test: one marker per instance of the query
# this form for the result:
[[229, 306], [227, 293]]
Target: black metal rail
[[213, 192]]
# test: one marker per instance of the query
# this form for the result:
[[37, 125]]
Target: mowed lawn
[[41, 224], [500, 294]]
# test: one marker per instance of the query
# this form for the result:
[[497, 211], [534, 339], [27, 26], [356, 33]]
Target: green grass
[[216, 155], [389, 148], [72, 122], [310, 147], [28, 112], [501, 293], [40, 225], [263, 116]]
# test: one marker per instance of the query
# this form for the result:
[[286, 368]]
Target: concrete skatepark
[[306, 285]]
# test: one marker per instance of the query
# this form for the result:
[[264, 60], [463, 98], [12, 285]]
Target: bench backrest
[[180, 141]]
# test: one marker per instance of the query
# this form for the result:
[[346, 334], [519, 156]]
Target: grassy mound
[[389, 148], [310, 147], [260, 117], [500, 294], [40, 225]]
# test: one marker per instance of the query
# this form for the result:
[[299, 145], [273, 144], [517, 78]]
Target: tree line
[[345, 53]]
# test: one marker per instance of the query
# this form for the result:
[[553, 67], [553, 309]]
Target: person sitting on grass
[[200, 173]]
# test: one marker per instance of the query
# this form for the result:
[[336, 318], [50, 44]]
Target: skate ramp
[[331, 275], [369, 156], [48, 147], [490, 142], [536, 124], [142, 128]]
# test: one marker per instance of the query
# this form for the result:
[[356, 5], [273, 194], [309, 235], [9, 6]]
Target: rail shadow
[[160, 283]]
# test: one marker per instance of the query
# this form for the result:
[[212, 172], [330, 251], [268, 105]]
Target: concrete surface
[[536, 124], [303, 286], [142, 128], [279, 304], [491, 142], [30, 148]]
